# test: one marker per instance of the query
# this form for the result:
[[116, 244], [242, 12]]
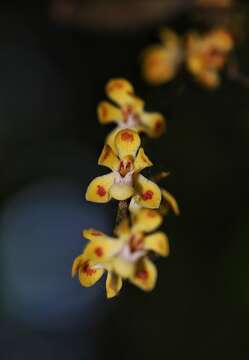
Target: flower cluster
[[204, 56], [127, 255]]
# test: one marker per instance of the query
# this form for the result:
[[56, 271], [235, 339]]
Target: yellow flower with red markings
[[207, 54], [125, 180], [128, 111], [160, 63], [204, 55], [124, 257]]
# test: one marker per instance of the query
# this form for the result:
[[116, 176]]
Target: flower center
[[126, 166], [87, 269], [136, 242], [133, 250], [213, 55], [131, 119]]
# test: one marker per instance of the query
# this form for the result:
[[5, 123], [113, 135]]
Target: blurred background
[[56, 57]]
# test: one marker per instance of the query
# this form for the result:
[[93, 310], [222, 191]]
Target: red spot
[[87, 270], [127, 136], [104, 111], [215, 52], [117, 85], [99, 251], [151, 214], [158, 126], [142, 275], [96, 233], [148, 195], [153, 61], [213, 55], [101, 190], [107, 153]]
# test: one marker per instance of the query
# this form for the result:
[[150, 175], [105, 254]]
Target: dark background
[[52, 78]]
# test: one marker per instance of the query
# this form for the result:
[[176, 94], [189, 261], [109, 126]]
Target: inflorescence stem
[[122, 212]]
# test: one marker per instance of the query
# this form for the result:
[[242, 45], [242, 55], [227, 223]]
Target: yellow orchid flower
[[125, 257], [125, 180], [207, 54], [161, 62], [129, 112], [89, 273], [204, 56]]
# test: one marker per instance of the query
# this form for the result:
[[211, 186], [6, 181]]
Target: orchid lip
[[124, 180], [127, 255], [131, 121]]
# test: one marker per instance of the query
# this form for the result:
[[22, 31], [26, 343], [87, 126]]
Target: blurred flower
[[124, 257], [89, 271], [204, 56], [161, 62], [207, 54], [129, 113], [124, 181]]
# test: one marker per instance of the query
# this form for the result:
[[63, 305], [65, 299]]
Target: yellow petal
[[146, 220], [118, 85], [158, 243], [121, 191], [92, 234], [222, 39], [127, 142], [108, 158], [76, 264], [98, 189], [209, 78], [89, 275], [110, 139], [102, 250], [157, 67], [122, 92], [145, 275], [195, 64], [113, 285], [108, 113], [123, 268], [154, 124], [170, 201], [123, 228], [142, 161], [148, 193]]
